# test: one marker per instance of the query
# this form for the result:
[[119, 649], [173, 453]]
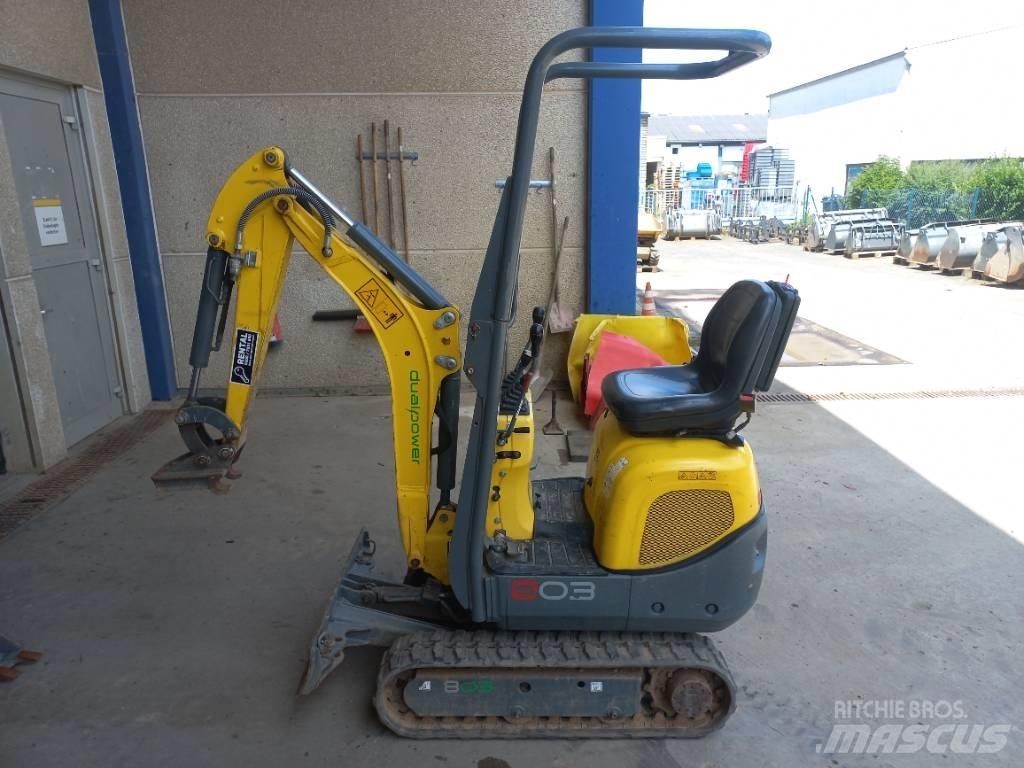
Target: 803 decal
[[525, 590]]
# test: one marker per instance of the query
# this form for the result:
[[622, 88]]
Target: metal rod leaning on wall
[[362, 175], [401, 189], [387, 185], [373, 166], [554, 232]]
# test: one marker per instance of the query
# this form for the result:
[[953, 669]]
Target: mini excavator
[[567, 607]]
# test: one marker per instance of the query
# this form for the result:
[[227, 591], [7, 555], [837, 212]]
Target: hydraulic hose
[[300, 194]]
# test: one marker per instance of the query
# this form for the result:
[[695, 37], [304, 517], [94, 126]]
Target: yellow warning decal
[[46, 202], [380, 305], [700, 474]]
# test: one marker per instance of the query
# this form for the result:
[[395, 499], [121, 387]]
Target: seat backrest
[[737, 338], [789, 303]]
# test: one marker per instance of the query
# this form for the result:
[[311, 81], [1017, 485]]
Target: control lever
[[533, 346], [523, 373]]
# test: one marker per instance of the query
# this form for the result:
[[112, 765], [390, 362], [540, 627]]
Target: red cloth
[[615, 352]]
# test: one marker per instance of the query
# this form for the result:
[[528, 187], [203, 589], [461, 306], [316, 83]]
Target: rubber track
[[486, 649]]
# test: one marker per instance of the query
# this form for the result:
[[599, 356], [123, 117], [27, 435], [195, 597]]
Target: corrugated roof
[[708, 129]]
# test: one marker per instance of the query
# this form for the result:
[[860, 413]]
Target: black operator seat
[[741, 346]]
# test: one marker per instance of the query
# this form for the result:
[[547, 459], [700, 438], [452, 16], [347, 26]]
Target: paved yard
[[955, 333], [175, 627]]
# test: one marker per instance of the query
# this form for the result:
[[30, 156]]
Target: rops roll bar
[[742, 46]]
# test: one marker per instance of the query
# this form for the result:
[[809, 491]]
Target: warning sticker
[[380, 305], [699, 474], [246, 343]]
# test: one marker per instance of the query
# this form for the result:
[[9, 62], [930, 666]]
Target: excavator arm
[[262, 210]]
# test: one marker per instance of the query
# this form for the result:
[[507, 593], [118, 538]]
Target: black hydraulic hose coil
[[300, 194]]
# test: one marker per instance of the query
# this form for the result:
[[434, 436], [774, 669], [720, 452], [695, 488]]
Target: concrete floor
[[955, 333], [175, 627]]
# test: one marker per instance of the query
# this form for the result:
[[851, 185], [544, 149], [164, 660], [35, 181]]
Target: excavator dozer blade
[[358, 614]]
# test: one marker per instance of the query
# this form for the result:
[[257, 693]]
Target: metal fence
[[915, 207], [785, 203], [1006, 203]]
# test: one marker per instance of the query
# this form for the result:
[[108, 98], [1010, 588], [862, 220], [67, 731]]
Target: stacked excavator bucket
[[962, 244], [822, 224], [1006, 265], [873, 237], [699, 222], [990, 244], [906, 246], [978, 248], [928, 243], [935, 236]]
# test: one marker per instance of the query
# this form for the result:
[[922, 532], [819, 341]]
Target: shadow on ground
[[175, 627]]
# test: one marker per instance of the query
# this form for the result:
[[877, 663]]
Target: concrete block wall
[[52, 40], [235, 76], [49, 38]]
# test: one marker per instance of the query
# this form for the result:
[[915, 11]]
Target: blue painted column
[[126, 136], [613, 173]]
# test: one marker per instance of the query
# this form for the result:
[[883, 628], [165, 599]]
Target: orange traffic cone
[[648, 305]]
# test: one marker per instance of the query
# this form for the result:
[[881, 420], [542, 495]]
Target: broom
[[560, 318]]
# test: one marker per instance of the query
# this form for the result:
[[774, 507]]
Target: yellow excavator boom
[[253, 224]]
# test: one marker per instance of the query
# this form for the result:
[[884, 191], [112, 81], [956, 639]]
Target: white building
[[945, 100], [682, 142]]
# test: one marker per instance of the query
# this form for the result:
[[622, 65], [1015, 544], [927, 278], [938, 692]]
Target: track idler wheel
[[692, 693], [696, 695]]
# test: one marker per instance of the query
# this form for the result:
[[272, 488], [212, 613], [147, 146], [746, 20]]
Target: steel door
[[60, 228]]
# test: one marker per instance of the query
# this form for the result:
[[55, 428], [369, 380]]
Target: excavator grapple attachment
[[184, 472], [209, 460]]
